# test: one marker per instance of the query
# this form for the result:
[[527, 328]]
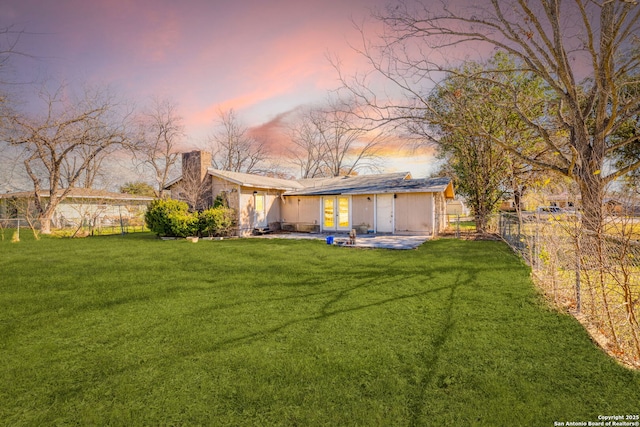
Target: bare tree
[[307, 150], [233, 148], [160, 134], [9, 38], [349, 145], [71, 132], [585, 51], [93, 171], [333, 141]]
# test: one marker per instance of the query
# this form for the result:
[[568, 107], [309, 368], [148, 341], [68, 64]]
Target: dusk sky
[[262, 58]]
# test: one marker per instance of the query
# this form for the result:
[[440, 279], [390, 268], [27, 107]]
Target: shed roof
[[81, 193]]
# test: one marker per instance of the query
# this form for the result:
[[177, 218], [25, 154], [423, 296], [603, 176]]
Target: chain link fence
[[596, 277], [464, 226], [10, 228], [77, 227]]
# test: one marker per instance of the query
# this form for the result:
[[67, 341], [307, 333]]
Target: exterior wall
[[362, 211], [247, 209], [414, 212], [246, 214], [441, 217], [301, 213], [73, 212], [228, 190], [76, 212]]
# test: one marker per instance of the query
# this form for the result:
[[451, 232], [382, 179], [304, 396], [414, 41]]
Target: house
[[457, 207], [382, 203], [82, 206]]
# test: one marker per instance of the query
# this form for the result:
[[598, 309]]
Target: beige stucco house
[[381, 203]]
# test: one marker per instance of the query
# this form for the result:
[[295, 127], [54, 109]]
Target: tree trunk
[[592, 212], [592, 185], [45, 223], [46, 214]]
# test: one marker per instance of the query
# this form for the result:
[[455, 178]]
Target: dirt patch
[[468, 236]]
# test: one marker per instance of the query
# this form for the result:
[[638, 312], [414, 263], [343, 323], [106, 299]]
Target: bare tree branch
[[69, 137], [159, 137], [584, 62], [233, 148]]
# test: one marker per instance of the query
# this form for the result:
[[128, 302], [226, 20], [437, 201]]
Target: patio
[[375, 241]]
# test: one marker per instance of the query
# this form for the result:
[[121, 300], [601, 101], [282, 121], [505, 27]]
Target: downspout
[[375, 213], [433, 216]]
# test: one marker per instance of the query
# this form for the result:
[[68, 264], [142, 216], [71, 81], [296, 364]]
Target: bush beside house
[[171, 218], [218, 221]]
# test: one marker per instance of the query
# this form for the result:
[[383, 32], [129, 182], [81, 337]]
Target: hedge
[[171, 218]]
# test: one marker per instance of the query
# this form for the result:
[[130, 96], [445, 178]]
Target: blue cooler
[[329, 240]]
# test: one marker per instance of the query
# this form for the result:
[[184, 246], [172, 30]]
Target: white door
[[335, 213], [384, 213]]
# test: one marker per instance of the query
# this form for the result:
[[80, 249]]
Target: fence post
[[578, 274], [536, 245]]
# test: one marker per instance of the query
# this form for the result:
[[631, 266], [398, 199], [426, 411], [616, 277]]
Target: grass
[[137, 331]]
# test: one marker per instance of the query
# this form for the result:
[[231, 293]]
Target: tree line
[[71, 137], [543, 98]]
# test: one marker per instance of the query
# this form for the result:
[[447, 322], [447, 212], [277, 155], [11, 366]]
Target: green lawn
[[137, 331]]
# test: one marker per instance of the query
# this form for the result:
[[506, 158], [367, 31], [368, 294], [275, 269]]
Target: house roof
[[82, 193], [359, 184], [256, 181], [399, 182], [374, 184]]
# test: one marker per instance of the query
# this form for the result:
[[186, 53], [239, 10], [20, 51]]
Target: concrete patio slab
[[375, 241]]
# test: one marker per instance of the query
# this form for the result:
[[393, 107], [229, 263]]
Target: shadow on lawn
[[324, 314], [430, 357], [431, 351], [419, 376]]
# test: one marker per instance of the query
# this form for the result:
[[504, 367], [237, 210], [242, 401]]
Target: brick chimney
[[195, 164]]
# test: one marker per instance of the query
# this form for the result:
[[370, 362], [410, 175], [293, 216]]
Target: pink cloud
[[259, 58]]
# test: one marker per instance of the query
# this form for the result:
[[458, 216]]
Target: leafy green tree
[[472, 124], [627, 137], [138, 188]]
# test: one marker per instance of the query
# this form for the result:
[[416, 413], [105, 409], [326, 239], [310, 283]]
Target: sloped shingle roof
[[374, 184], [360, 184], [399, 182], [257, 181]]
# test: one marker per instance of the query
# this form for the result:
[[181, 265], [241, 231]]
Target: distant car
[[556, 212], [550, 210]]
